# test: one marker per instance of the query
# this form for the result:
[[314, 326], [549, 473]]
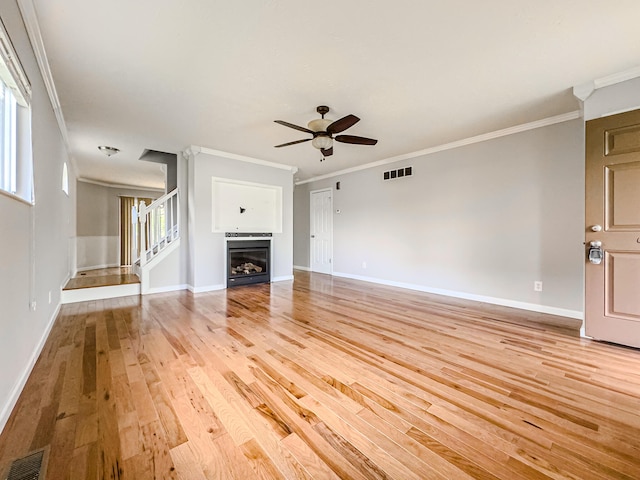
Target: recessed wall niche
[[245, 206]]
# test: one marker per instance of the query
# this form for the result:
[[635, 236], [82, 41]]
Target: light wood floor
[[324, 378], [102, 277]]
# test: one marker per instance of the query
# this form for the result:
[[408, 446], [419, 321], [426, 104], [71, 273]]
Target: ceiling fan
[[323, 131]]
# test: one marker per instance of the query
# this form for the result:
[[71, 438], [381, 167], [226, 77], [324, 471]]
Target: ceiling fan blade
[[293, 143], [291, 125], [355, 140], [342, 124], [327, 152]]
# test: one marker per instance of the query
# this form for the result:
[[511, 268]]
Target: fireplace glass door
[[248, 262]]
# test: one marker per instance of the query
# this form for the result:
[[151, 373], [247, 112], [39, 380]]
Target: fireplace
[[248, 262]]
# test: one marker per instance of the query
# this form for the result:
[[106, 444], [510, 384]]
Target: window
[[8, 129], [16, 164], [65, 178]]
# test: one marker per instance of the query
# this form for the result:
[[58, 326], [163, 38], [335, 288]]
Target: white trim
[[96, 267], [13, 196], [300, 267], [208, 288], [545, 122], [172, 288], [22, 381], [12, 71], [562, 312], [119, 185], [30, 18], [585, 90], [283, 278], [99, 293], [64, 282], [194, 150]]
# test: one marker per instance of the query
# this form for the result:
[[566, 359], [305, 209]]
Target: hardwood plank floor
[[325, 378], [102, 277]]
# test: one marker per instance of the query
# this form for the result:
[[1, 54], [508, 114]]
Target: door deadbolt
[[596, 228], [595, 253]]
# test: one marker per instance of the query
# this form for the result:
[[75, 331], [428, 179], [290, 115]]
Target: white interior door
[[321, 230]]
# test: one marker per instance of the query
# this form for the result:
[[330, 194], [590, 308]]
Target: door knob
[[596, 228]]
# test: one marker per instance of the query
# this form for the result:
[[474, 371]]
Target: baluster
[[134, 235], [170, 222], [143, 233]]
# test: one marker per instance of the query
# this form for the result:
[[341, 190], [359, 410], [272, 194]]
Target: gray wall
[[486, 219], [36, 240], [207, 262], [98, 222]]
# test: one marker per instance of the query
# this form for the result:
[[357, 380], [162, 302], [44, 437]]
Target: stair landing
[[100, 284]]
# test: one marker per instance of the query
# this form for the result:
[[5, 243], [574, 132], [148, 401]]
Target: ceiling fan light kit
[[323, 130], [322, 142], [107, 150]]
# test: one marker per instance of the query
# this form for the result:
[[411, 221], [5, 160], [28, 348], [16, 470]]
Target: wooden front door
[[612, 296], [321, 223]]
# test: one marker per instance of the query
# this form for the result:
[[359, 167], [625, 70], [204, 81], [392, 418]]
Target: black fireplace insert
[[248, 262]]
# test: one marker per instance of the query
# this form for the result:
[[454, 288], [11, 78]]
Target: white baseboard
[[208, 288], [5, 413], [300, 267], [284, 278], [562, 312], [96, 267], [171, 288], [100, 293]]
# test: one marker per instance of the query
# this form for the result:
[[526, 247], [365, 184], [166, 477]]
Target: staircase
[[159, 234], [156, 233]]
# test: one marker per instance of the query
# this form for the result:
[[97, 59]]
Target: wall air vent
[[399, 173]]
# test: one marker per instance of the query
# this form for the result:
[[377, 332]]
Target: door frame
[[311, 193]]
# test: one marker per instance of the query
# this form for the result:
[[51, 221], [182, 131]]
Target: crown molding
[[194, 150], [545, 122], [118, 185], [585, 90], [30, 18]]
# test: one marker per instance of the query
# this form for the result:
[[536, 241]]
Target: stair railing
[[159, 225]]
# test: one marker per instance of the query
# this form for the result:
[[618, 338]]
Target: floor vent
[[27, 468]]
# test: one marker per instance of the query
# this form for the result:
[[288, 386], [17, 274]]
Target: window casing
[[16, 163]]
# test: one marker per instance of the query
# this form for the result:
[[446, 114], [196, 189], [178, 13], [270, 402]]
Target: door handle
[[595, 253]]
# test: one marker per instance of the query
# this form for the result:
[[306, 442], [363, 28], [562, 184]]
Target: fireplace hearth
[[248, 262]]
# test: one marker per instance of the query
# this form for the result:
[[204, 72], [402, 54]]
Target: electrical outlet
[[364, 264], [537, 286], [32, 305]]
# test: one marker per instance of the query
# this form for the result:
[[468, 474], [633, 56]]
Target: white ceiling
[[163, 75]]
